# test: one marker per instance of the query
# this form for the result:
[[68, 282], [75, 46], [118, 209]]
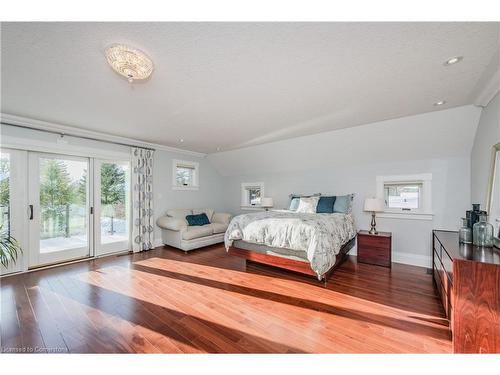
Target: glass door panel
[[13, 169], [112, 206], [5, 191], [59, 195]]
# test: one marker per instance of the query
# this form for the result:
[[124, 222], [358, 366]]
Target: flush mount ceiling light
[[129, 62], [441, 102], [453, 60]]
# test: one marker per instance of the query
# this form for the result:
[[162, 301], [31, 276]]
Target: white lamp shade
[[374, 204], [266, 202]]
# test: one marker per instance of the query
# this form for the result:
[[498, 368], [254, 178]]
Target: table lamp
[[266, 203], [374, 205]]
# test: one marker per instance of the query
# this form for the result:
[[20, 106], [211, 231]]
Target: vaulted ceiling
[[231, 85]]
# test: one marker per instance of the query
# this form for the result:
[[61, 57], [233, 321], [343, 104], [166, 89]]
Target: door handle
[[31, 212]]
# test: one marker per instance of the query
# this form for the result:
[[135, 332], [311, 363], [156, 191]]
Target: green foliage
[[4, 182], [9, 248], [56, 193], [112, 184]]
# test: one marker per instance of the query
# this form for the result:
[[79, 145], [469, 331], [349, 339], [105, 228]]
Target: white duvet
[[320, 235]]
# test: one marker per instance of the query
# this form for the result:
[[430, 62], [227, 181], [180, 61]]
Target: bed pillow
[[295, 199], [308, 205], [343, 203], [325, 205], [197, 220]]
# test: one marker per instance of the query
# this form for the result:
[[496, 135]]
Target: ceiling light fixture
[[453, 60], [441, 102], [181, 140], [129, 62]]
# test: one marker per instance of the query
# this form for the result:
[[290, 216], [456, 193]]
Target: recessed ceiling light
[[441, 102], [453, 60], [181, 140]]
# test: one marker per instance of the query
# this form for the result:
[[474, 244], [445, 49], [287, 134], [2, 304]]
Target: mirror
[[493, 198]]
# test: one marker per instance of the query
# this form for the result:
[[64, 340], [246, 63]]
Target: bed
[[309, 243]]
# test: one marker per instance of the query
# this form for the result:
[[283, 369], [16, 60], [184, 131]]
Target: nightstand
[[375, 248]]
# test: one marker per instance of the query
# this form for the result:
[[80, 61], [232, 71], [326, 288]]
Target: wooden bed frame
[[290, 264]]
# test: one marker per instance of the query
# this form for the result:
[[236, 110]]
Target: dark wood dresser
[[468, 280]]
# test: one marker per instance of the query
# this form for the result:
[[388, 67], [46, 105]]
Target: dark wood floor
[[166, 301]]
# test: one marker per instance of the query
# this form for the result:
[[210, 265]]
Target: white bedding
[[320, 235]]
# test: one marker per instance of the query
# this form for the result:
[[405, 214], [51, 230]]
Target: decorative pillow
[[295, 199], [343, 203], [325, 205], [208, 211], [294, 203], [200, 219], [308, 205]]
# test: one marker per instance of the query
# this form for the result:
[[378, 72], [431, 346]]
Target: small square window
[[185, 175], [404, 196], [251, 194], [254, 196]]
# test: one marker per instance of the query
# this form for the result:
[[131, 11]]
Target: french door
[[60, 196], [62, 207]]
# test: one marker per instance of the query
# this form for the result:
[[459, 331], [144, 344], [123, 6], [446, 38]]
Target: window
[[251, 193], [185, 175], [406, 196]]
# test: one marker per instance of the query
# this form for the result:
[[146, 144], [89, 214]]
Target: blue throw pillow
[[343, 203], [200, 219], [325, 205]]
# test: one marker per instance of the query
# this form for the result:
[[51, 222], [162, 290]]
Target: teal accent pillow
[[200, 219], [294, 204], [325, 205], [343, 203]]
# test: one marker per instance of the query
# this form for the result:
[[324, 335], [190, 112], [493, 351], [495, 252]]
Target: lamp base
[[373, 229]]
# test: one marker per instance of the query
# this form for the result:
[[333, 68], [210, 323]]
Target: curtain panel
[[142, 199]]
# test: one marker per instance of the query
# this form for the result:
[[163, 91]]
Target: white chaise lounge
[[177, 233]]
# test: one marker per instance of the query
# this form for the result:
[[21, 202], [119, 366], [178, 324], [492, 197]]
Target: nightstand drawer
[[374, 241], [374, 255]]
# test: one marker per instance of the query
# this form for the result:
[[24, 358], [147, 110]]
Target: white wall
[[349, 160], [487, 135], [209, 194]]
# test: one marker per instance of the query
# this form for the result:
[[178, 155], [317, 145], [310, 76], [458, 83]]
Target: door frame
[[35, 258]]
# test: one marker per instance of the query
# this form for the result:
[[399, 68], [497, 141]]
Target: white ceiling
[[232, 85]]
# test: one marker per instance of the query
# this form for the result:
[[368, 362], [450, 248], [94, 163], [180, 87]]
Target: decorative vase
[[465, 233], [483, 232]]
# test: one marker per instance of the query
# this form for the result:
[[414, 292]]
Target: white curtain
[[142, 199]]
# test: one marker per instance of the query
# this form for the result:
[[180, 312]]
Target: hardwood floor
[[166, 301]]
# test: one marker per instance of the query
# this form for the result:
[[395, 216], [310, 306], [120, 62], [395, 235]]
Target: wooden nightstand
[[375, 248]]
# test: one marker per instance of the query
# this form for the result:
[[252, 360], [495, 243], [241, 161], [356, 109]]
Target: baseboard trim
[[412, 259], [158, 242]]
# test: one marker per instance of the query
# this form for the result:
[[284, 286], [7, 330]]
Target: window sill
[[252, 208], [177, 187], [406, 215]]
